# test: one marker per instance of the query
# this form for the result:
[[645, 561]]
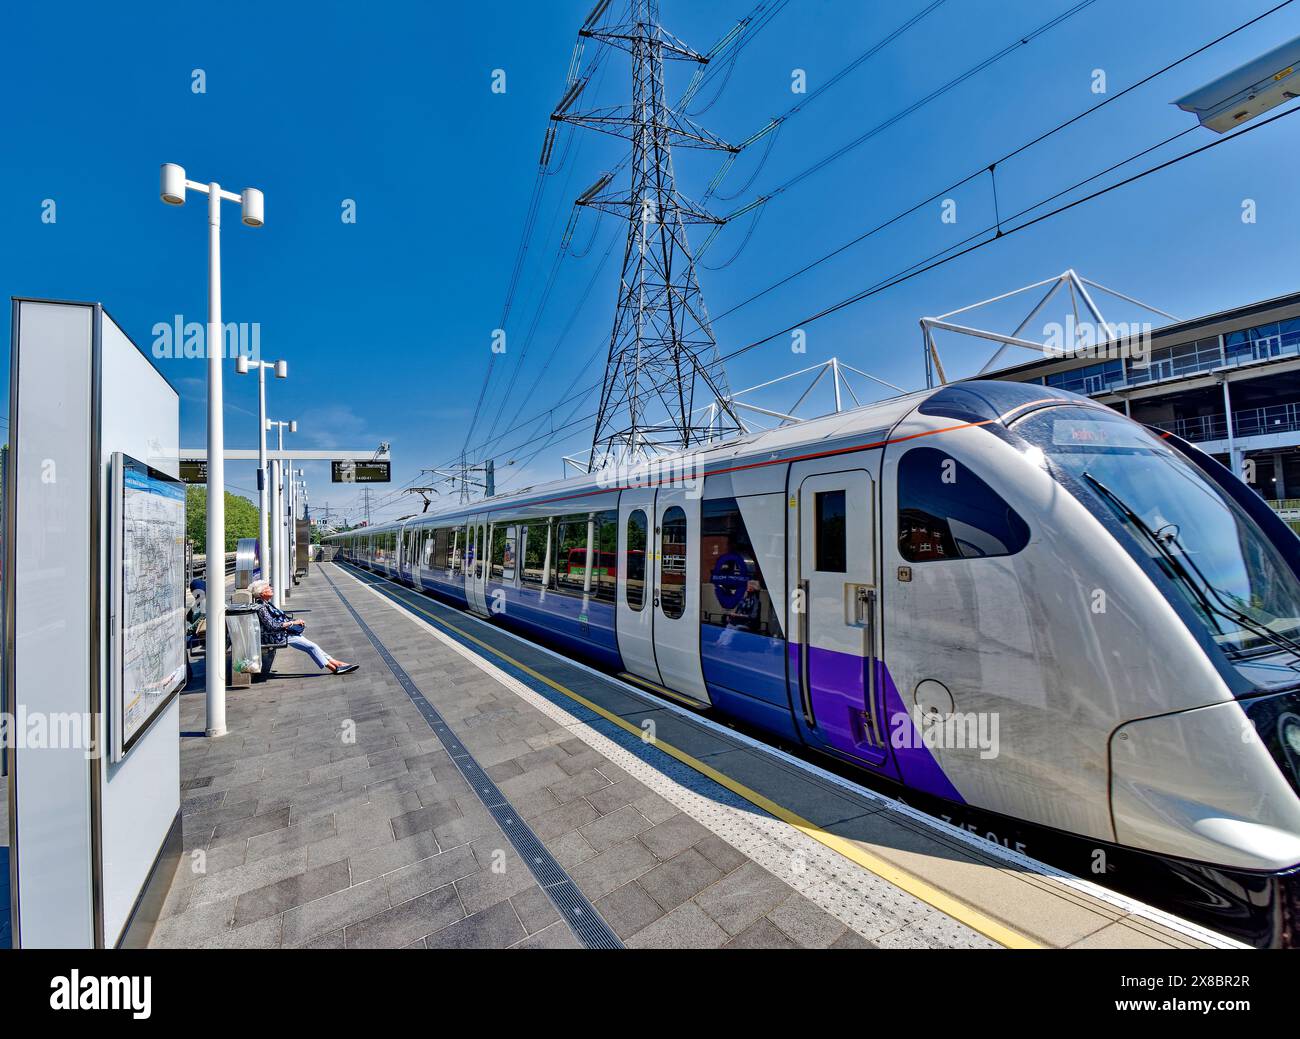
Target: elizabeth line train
[[1124, 608]]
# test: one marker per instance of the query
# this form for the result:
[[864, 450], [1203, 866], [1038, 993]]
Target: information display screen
[[149, 595], [347, 471], [194, 470]]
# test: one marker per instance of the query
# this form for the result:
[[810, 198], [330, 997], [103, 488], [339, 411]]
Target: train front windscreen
[[1236, 580]]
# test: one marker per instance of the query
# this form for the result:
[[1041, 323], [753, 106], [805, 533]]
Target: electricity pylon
[[662, 346]]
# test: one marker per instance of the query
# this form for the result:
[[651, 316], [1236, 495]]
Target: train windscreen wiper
[[1213, 608]]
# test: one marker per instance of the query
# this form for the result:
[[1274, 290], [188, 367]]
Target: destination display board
[[148, 596], [350, 471], [194, 470]]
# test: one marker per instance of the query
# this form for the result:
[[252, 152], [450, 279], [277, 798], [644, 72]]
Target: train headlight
[[1288, 731]]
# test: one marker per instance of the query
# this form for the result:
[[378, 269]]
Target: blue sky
[[387, 323]]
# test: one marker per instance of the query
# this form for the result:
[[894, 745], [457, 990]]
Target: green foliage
[[241, 519]]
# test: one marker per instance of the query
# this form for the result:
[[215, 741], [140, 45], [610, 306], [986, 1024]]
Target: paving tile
[[534, 909], [348, 906], [681, 877], [242, 829], [761, 934], [579, 785], [497, 927], [612, 869], [614, 828], [228, 883], [431, 873], [424, 818], [406, 922], [674, 835], [742, 896], [290, 892], [486, 888], [385, 858], [628, 909], [616, 795], [807, 923], [556, 936], [277, 841], [720, 853], [686, 927]]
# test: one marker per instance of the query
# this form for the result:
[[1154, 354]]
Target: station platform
[[466, 788]]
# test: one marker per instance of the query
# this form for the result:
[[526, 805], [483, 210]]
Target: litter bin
[[245, 633]]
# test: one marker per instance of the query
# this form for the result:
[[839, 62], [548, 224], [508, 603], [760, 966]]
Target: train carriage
[[1007, 600]]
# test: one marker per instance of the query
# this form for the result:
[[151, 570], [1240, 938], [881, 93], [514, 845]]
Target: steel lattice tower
[[662, 346]]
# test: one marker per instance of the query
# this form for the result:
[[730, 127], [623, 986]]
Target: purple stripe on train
[[838, 689]]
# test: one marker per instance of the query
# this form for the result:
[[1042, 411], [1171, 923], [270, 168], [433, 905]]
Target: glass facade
[[1172, 361], [1277, 339], [1094, 378]]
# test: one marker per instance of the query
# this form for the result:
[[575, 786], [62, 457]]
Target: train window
[[460, 551], [634, 560], [569, 556], [480, 550], [438, 550], [533, 551], [672, 563], [830, 537], [456, 553], [604, 579], [733, 593], [945, 511], [503, 554]]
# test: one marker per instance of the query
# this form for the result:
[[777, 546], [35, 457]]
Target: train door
[[676, 600], [476, 555], [835, 609], [635, 610], [406, 561]]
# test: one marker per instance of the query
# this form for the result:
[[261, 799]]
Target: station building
[[1228, 382]]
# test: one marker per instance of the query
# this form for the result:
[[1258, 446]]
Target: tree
[[241, 519]]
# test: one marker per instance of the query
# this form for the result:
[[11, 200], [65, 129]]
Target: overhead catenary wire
[[1001, 160], [980, 239]]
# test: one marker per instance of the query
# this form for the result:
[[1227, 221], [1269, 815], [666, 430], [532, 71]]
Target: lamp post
[[279, 538], [173, 187], [242, 366]]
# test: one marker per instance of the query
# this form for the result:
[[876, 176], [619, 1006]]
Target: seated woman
[[279, 629]]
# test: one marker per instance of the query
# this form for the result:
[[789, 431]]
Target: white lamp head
[[293, 426], [173, 184], [252, 207], [241, 364], [282, 369], [269, 423]]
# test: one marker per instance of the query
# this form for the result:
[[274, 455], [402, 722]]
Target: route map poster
[[149, 518]]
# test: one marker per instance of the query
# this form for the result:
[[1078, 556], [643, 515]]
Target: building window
[[733, 593], [830, 548], [672, 563], [1092, 378], [945, 511], [634, 560]]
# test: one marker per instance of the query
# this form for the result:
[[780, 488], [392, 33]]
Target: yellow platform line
[[920, 889]]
